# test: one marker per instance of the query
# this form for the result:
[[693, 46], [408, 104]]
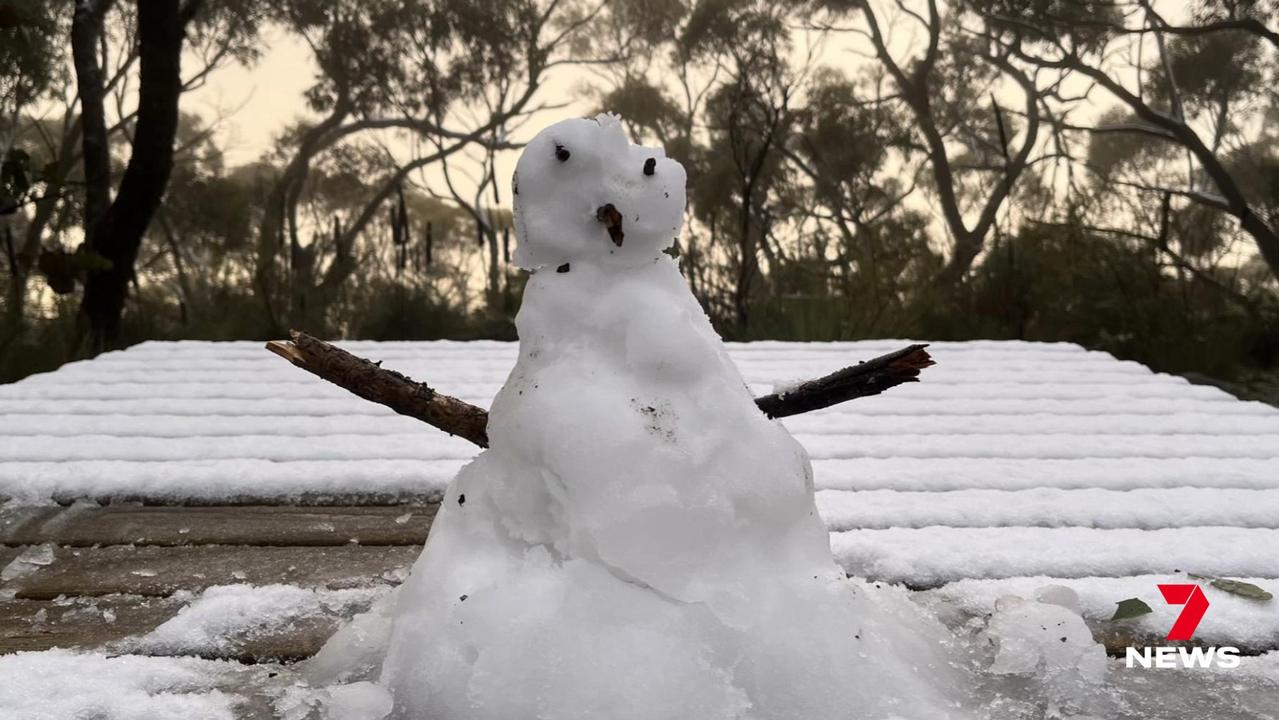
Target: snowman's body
[[639, 541]]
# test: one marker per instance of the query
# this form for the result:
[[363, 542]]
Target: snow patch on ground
[[1230, 620], [223, 617], [62, 685]]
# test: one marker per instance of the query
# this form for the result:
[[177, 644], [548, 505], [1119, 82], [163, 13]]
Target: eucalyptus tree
[[951, 86], [447, 76], [1188, 142], [32, 62], [721, 86]]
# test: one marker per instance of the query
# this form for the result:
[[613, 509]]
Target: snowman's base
[[1031, 681]]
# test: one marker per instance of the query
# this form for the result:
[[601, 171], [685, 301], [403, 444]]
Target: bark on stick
[[418, 400], [386, 387], [865, 378]]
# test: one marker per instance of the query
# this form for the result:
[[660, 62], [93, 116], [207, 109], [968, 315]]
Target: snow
[[930, 556], [214, 421], [1231, 619], [638, 541], [1147, 508], [223, 617], [59, 684]]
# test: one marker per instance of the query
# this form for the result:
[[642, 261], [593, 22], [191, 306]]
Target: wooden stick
[[386, 387], [865, 378], [418, 400]]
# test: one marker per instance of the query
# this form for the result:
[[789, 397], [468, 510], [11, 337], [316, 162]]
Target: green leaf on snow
[[1242, 589], [1130, 608]]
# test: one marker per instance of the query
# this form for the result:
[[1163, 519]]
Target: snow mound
[[1233, 620], [638, 541], [59, 684], [223, 617]]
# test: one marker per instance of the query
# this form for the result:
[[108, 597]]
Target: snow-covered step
[[225, 479], [1043, 447], [882, 345], [302, 387], [283, 422], [210, 479], [1013, 367], [465, 376], [1002, 473], [1051, 507], [878, 406], [1183, 423], [44, 448], [1249, 624], [419, 445], [932, 556]]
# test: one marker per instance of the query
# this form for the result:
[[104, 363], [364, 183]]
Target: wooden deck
[[1069, 466], [101, 575]]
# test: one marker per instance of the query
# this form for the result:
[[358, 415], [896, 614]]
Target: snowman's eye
[[650, 166], [561, 153]]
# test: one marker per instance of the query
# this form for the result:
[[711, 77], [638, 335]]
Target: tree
[[114, 228], [31, 56], [968, 145], [449, 76], [1197, 94], [723, 96]]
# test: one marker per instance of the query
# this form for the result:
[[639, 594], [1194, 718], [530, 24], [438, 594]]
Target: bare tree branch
[[420, 401]]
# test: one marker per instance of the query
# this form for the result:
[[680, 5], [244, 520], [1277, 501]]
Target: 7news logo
[[1194, 604]]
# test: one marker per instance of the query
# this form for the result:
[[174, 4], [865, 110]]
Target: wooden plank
[[87, 525], [111, 623], [16, 521], [79, 622], [158, 571]]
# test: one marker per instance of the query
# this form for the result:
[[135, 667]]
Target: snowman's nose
[[612, 219]]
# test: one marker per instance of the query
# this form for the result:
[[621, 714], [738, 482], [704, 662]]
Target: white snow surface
[[1230, 620], [61, 685], [222, 617]]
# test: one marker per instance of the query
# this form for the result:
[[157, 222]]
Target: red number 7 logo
[[1196, 604]]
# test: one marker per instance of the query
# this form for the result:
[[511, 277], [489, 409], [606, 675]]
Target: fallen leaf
[[1242, 589], [1130, 608]]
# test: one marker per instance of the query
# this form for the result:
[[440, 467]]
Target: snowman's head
[[584, 192]]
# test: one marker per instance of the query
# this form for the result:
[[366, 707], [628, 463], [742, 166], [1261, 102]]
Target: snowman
[[639, 540]]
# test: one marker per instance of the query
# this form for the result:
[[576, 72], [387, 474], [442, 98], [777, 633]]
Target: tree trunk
[[117, 234], [86, 33]]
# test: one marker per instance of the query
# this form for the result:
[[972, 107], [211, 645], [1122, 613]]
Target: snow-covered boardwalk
[[1010, 466]]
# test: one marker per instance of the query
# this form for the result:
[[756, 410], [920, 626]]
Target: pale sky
[[255, 103]]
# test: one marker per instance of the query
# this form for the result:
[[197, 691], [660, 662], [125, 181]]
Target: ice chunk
[[356, 650], [28, 561], [359, 701], [1049, 645]]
